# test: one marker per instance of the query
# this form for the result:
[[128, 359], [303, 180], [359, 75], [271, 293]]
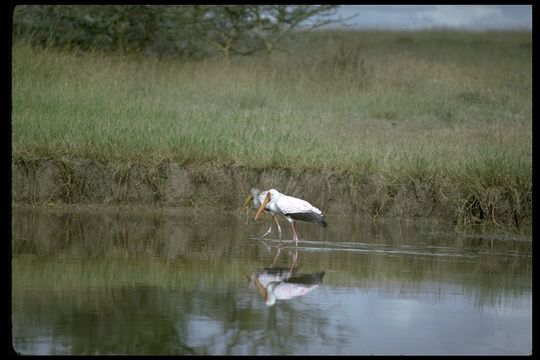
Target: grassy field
[[452, 106]]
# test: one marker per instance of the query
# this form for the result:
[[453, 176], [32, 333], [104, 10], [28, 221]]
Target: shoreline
[[168, 184]]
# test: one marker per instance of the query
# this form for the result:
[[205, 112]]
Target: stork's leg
[[277, 255], [270, 228], [278, 227], [293, 260], [295, 236], [274, 219], [267, 232]]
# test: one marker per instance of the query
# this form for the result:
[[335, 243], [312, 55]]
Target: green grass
[[446, 105]]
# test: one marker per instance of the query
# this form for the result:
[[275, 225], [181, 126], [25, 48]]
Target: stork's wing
[[291, 205], [287, 291]]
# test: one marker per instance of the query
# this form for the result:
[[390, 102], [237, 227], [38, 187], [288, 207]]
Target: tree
[[231, 29], [278, 21], [245, 29], [181, 30]]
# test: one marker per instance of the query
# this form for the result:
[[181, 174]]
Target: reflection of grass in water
[[59, 273], [486, 277], [81, 249]]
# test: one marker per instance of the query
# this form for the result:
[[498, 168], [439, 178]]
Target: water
[[127, 281]]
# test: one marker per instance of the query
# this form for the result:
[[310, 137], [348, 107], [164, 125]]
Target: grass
[[451, 106]]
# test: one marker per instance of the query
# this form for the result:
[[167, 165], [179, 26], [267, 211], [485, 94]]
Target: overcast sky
[[477, 17]]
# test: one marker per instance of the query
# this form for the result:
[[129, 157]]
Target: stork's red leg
[[294, 257]]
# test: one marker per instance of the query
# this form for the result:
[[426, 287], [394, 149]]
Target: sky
[[412, 17]]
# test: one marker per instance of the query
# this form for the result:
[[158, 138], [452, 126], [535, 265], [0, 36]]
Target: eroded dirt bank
[[80, 181]]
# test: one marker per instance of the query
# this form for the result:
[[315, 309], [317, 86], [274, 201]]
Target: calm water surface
[[119, 281]]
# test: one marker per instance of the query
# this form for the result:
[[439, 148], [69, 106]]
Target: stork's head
[[253, 193]]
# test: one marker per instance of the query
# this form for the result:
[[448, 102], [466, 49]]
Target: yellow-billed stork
[[257, 197], [292, 209], [283, 284]]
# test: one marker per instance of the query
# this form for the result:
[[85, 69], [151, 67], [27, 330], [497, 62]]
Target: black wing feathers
[[310, 217]]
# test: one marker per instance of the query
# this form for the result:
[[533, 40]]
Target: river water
[[165, 281]]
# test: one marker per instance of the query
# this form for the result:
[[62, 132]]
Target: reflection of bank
[[284, 283]]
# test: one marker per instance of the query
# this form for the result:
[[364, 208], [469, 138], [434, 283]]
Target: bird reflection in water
[[284, 283]]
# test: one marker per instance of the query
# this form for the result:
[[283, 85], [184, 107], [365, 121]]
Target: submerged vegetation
[[449, 109]]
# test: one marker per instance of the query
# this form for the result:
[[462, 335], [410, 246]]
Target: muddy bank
[[81, 181]]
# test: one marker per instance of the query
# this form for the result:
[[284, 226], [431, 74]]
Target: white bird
[[292, 209], [257, 197], [283, 284]]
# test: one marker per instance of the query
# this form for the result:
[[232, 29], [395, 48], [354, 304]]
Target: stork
[[283, 284], [292, 209]]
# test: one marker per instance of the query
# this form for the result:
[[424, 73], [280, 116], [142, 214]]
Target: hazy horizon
[[418, 17]]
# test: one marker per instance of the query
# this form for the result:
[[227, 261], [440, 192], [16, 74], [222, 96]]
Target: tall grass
[[451, 104]]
